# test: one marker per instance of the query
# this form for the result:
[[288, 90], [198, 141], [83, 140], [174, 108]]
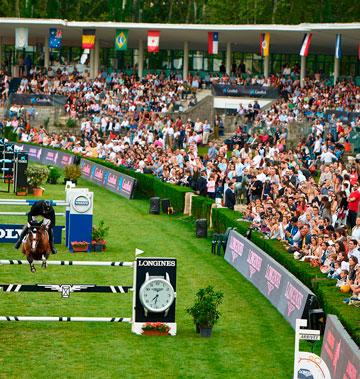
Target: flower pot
[[98, 247], [80, 248], [154, 333], [38, 191], [21, 193], [205, 331]]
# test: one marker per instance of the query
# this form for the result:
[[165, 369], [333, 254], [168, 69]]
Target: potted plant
[[37, 175], [155, 329], [80, 246], [21, 191], [72, 173], [205, 311], [98, 236], [54, 174]]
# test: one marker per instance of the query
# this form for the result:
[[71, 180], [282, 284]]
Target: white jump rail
[[65, 319], [68, 263]]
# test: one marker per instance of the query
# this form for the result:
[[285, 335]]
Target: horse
[[36, 245]]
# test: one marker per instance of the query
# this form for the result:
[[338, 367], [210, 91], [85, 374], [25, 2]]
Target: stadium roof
[[284, 38]]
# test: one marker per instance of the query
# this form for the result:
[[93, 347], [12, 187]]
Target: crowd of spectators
[[130, 124]]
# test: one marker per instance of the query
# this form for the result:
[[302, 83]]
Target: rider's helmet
[[47, 206]]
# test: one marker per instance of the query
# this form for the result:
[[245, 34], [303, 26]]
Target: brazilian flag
[[121, 40]]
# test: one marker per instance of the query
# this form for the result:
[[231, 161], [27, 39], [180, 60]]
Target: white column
[[96, 57], [141, 58], [228, 58], [91, 64], [266, 67], [46, 52], [302, 71], [186, 60], [336, 69]]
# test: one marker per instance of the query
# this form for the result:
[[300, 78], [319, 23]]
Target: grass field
[[251, 340]]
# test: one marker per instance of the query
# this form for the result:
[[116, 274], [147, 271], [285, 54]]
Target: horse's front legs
[[44, 259], [32, 266]]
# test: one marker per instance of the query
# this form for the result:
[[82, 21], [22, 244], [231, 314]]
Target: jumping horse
[[36, 245]]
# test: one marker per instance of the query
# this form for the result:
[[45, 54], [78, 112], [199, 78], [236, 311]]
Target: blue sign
[[10, 233]]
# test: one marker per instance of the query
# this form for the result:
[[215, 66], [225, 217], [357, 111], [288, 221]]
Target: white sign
[[81, 203], [308, 365]]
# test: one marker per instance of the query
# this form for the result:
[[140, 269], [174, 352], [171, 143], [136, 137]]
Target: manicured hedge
[[149, 186], [201, 207]]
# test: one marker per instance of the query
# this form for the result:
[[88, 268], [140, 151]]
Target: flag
[[21, 38], [153, 41], [88, 39], [138, 251], [121, 38], [306, 45], [338, 48], [55, 38], [213, 42], [264, 44]]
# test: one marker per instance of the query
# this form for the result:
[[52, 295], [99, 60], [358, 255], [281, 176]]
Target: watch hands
[[155, 298]]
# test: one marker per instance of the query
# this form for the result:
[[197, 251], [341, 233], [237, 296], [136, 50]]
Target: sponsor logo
[[112, 180], [254, 262], [35, 153], [236, 247], [98, 174], [86, 169], [156, 263], [127, 185], [9, 233], [273, 278], [332, 347], [294, 298], [65, 160], [81, 204], [51, 156]]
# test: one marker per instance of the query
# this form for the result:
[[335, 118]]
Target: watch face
[[156, 295]]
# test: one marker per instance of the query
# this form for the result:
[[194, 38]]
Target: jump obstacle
[[78, 217], [139, 269]]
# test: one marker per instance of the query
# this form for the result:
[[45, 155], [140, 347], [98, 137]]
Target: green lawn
[[251, 340]]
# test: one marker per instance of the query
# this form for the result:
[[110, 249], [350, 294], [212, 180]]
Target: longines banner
[[46, 156], [245, 91], [339, 351], [112, 180], [290, 297], [37, 100]]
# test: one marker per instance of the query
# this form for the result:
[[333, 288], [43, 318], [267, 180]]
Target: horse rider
[[45, 209]]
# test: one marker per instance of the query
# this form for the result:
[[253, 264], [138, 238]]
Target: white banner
[[21, 38]]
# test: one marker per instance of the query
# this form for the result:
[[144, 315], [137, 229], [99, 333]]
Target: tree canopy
[[187, 11]]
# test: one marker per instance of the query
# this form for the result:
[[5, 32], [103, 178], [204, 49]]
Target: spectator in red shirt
[[353, 206]]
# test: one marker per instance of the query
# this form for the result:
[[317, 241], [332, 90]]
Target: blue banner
[[11, 232]]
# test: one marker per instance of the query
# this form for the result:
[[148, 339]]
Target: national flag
[[213, 42], [338, 47], [21, 38], [153, 41], [304, 51], [121, 39], [264, 44], [55, 38], [88, 39]]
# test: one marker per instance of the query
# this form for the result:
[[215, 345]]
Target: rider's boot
[[51, 241], [21, 237]]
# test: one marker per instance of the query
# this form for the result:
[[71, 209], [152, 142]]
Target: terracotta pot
[[154, 333], [38, 191], [80, 249]]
